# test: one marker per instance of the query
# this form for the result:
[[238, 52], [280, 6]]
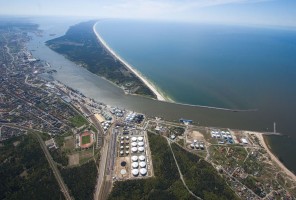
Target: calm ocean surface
[[217, 65], [212, 65], [224, 66]]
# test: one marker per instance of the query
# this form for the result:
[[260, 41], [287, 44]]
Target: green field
[[85, 139], [78, 121]]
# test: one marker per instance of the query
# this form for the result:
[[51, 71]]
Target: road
[[93, 119], [180, 173], [102, 167], [111, 151], [111, 155], [34, 114], [51, 162], [104, 183], [54, 168]]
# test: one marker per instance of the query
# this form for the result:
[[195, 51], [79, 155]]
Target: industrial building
[[133, 156]]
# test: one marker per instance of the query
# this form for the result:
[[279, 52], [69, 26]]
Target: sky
[[258, 12]]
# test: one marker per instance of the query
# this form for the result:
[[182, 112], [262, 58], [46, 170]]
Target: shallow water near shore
[[101, 90]]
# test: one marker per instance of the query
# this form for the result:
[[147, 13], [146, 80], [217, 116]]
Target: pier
[[274, 131]]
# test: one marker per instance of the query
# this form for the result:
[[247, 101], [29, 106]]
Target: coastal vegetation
[[81, 45], [24, 171], [167, 183]]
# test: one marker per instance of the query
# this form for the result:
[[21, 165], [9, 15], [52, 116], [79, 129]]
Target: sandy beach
[[162, 98], [273, 157], [129, 67]]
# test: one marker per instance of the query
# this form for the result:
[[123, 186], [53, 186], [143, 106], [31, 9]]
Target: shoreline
[[273, 156], [160, 96], [152, 87], [267, 149]]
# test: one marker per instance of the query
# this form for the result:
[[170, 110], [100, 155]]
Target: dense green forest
[[25, 172], [81, 45], [165, 185], [81, 180], [60, 157], [199, 175]]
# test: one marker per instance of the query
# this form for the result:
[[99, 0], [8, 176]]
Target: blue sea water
[[225, 66], [216, 65], [213, 65]]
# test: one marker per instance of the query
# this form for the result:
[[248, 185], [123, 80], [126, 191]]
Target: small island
[[81, 45]]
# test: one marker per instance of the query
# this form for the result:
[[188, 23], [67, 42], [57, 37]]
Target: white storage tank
[[134, 158], [140, 139], [143, 171], [142, 164], [134, 139], [142, 158], [140, 144], [123, 172], [135, 172], [134, 144], [135, 165], [141, 149], [134, 149]]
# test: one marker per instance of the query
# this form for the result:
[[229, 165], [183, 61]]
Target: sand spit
[[129, 67]]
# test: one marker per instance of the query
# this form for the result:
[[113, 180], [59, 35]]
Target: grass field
[[86, 139], [78, 121]]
